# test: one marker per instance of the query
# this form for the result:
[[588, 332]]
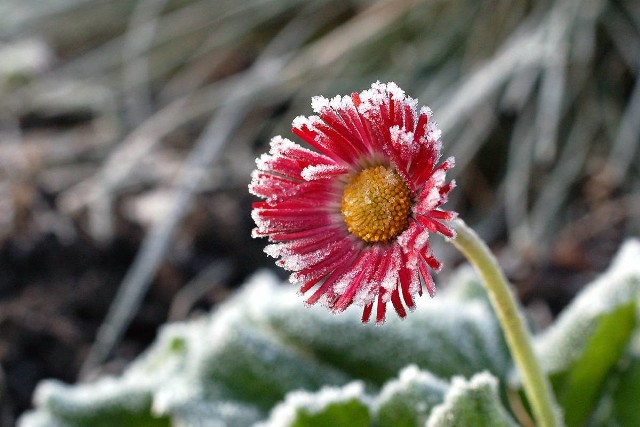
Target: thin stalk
[[536, 384]]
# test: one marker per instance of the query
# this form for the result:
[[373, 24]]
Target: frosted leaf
[[110, 400], [465, 285], [445, 336], [408, 400], [591, 335], [249, 361], [619, 285], [204, 413], [40, 419], [263, 343], [286, 413], [471, 403]]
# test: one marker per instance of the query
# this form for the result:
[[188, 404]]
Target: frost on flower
[[351, 218]]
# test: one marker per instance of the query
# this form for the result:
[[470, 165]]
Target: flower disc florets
[[376, 204], [352, 219]]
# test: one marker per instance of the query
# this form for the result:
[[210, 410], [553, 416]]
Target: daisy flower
[[351, 219]]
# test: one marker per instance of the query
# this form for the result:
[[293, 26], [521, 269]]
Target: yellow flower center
[[376, 204]]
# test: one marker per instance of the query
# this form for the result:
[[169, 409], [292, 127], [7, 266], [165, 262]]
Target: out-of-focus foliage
[[265, 357], [537, 99], [591, 338]]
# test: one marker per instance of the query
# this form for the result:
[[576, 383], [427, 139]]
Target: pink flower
[[352, 219]]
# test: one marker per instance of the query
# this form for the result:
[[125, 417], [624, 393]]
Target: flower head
[[351, 219]]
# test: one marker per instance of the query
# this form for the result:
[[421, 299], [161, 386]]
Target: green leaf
[[619, 406], [471, 403], [590, 336], [626, 410], [578, 389]]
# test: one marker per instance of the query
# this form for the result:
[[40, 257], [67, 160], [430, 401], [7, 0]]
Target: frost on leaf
[[581, 350], [619, 285], [408, 400], [471, 403], [446, 336], [250, 362], [208, 413], [345, 406], [232, 367]]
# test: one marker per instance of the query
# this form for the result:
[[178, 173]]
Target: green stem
[[536, 384]]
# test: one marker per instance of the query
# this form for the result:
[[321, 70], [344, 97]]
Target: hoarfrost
[[433, 131], [264, 342], [446, 336], [203, 413], [263, 161], [430, 200], [343, 283], [402, 136], [366, 294], [620, 284], [409, 399], [473, 402], [394, 90], [318, 103], [303, 121], [274, 250], [422, 240], [296, 262], [390, 280], [426, 110], [412, 103], [341, 102], [408, 377], [39, 419], [284, 414], [314, 172]]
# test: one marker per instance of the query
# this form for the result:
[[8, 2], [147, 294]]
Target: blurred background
[[129, 129]]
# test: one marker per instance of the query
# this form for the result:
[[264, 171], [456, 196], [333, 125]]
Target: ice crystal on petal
[[426, 110], [393, 90], [351, 218], [318, 103], [314, 172]]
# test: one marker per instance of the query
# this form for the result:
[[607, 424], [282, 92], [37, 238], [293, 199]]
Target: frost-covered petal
[[350, 237]]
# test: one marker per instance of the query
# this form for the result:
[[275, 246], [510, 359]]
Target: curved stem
[[536, 384]]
